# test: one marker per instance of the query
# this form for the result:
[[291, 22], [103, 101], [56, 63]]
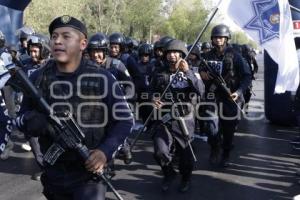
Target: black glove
[[36, 123]]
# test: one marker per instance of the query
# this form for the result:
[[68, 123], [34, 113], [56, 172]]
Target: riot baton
[[177, 71]]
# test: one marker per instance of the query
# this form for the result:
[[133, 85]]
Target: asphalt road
[[263, 166]]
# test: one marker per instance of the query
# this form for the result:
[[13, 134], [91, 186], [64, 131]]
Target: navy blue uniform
[[168, 137], [235, 71], [118, 69], [30, 67], [142, 84], [101, 112]]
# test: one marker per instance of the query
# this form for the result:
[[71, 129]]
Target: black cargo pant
[[166, 148], [229, 117], [71, 183]]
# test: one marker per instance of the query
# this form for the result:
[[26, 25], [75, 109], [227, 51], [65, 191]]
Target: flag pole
[[294, 8], [204, 28], [144, 127]]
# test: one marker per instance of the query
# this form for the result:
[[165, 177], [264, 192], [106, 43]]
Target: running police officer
[[71, 83], [98, 52], [169, 139], [23, 33], [205, 47], [39, 51], [5, 114], [232, 68], [159, 57], [194, 57], [116, 50], [142, 82]]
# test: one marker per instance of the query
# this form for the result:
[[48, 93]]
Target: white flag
[[269, 22]]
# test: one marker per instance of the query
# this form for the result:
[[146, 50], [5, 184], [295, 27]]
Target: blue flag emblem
[[266, 19]]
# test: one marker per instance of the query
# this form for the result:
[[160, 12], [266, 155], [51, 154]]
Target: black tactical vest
[[80, 93], [225, 66]]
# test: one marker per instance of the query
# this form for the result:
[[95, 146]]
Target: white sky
[[221, 13]]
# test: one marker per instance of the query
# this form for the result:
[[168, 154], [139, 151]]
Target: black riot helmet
[[158, 45], [145, 49], [246, 48], [2, 39], [206, 45], [98, 41], [135, 44], [196, 50], [176, 45], [117, 38], [131, 43], [41, 41], [24, 32], [221, 30], [165, 40]]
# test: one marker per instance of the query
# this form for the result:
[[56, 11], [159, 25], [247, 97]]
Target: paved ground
[[262, 167]]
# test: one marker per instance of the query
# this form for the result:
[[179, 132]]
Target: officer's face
[[67, 44], [114, 50], [97, 55], [192, 56], [34, 52], [24, 42], [219, 41], [206, 50], [173, 56], [159, 52], [145, 58]]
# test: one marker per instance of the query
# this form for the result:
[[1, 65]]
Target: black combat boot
[[214, 156], [169, 176], [124, 153], [127, 155], [185, 183], [225, 159]]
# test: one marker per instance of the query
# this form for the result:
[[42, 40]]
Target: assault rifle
[[220, 82], [66, 135]]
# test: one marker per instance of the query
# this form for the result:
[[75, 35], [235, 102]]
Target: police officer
[[249, 55], [169, 137], [131, 46], [117, 47], [194, 56], [23, 33], [71, 83], [142, 82], [39, 50], [229, 65], [98, 52], [5, 60], [205, 47], [116, 50], [159, 56]]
